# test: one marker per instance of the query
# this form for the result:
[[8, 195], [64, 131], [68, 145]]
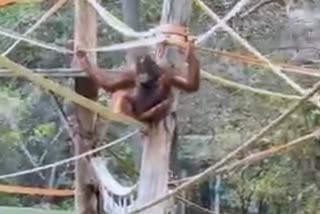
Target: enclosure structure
[[96, 189]]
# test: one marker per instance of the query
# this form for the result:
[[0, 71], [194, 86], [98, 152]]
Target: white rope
[[246, 44], [44, 17], [117, 24], [74, 158], [236, 9], [129, 45], [20, 37], [116, 47]]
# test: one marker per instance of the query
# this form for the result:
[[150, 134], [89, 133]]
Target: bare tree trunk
[[86, 200], [175, 12], [154, 175]]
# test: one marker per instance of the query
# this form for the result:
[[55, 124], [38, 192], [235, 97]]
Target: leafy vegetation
[[11, 210]]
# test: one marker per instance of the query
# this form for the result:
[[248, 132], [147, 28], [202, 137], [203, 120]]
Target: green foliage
[[18, 13], [11, 136], [67, 204], [152, 11], [8, 200], [10, 100], [45, 130], [13, 210]]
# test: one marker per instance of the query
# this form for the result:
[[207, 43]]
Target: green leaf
[[45, 130]]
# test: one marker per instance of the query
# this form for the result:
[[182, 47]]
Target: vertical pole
[[86, 199], [130, 10], [217, 195], [156, 157], [131, 16]]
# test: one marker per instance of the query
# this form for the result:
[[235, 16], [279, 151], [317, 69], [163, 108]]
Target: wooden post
[[175, 12], [217, 194], [154, 170], [86, 197]]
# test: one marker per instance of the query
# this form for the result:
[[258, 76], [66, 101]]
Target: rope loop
[[173, 29], [176, 35]]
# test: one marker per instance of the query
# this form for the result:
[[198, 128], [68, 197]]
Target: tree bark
[[154, 173], [175, 12], [86, 197]]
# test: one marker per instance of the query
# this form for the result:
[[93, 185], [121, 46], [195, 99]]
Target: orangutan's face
[[147, 70]]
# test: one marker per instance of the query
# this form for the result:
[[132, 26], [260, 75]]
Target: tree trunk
[[175, 12], [154, 174], [86, 199]]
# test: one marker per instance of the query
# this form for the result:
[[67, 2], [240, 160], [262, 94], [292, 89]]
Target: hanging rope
[[118, 25], [111, 48], [114, 47], [215, 79], [236, 9], [251, 60], [129, 44], [14, 35], [45, 16], [246, 44]]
